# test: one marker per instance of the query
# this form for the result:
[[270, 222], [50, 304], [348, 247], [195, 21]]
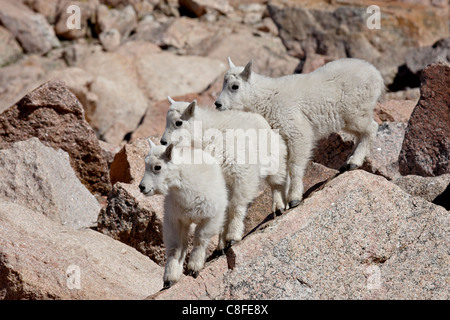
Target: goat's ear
[[168, 152], [247, 71], [190, 110], [230, 63]]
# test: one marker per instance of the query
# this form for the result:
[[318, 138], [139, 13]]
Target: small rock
[[200, 7], [428, 188], [128, 165], [394, 111], [418, 58], [124, 20], [109, 151], [48, 8], [11, 50], [87, 16], [110, 39], [383, 158], [31, 29], [164, 73]]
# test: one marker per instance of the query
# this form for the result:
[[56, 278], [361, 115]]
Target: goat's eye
[[178, 123], [157, 168], [235, 87]]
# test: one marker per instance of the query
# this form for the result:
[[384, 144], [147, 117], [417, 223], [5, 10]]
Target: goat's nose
[[163, 142], [218, 104], [142, 187]]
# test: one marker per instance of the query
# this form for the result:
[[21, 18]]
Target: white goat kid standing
[[307, 107], [242, 179], [195, 193]]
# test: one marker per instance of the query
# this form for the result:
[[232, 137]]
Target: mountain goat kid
[[341, 95], [208, 129], [195, 193]]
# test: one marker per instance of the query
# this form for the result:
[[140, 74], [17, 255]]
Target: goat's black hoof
[[168, 284], [348, 167], [294, 203], [230, 243], [279, 212], [193, 274], [217, 253]]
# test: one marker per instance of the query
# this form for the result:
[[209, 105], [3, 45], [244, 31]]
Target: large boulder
[[135, 220], [340, 29], [426, 147], [55, 116], [41, 179], [359, 237], [39, 259]]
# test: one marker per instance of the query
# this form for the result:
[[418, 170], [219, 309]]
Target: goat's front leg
[[176, 235]]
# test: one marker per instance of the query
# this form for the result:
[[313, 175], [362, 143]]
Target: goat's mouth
[[149, 192]]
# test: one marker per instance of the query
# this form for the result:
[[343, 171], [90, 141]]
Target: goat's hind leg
[[299, 155], [245, 191], [202, 236], [366, 135]]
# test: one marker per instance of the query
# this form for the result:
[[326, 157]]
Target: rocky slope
[[76, 107]]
